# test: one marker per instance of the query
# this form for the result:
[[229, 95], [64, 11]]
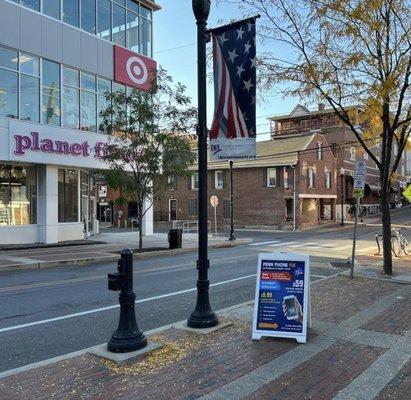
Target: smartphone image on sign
[[289, 307]]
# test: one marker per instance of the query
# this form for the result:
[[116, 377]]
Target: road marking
[[263, 243], [96, 310], [163, 296], [282, 244], [305, 244]]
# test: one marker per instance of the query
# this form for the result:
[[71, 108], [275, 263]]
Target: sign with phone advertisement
[[281, 304]]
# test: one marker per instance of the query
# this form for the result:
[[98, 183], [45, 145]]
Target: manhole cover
[[340, 264]]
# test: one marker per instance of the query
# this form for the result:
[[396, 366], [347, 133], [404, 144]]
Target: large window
[[103, 87], [88, 102], [71, 12], [192, 207], [8, 83], [52, 8], [29, 87], [88, 15], [219, 181], [71, 96], [34, 4], [19, 79], [125, 22], [18, 195], [67, 195], [51, 93], [119, 25], [104, 19]]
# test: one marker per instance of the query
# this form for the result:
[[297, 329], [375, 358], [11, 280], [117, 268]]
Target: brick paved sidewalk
[[359, 349]]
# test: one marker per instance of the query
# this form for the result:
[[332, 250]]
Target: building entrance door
[[173, 209]]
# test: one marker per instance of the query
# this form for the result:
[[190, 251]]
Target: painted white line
[[304, 244], [282, 244], [96, 310], [263, 243]]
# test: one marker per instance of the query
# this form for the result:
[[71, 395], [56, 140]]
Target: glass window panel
[[71, 12], [34, 4], [119, 25], [88, 81], [133, 5], [104, 19], [51, 93], [29, 98], [8, 93], [145, 12], [104, 85], [71, 113], [4, 195], [132, 31], [29, 64], [51, 74], [145, 37], [8, 58], [88, 111], [122, 2], [70, 77], [118, 88], [102, 105], [52, 8], [71, 197], [88, 15]]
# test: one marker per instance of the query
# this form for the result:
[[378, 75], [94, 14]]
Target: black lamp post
[[203, 316], [232, 237], [342, 172]]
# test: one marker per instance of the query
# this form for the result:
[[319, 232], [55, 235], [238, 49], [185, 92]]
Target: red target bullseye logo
[[134, 69], [137, 70]]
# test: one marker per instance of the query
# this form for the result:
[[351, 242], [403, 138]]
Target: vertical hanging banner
[[233, 132]]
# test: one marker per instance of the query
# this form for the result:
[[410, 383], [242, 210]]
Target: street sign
[[407, 193], [359, 178], [102, 191], [360, 167], [214, 201], [281, 306]]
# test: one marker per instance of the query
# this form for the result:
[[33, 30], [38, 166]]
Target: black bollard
[[128, 336]]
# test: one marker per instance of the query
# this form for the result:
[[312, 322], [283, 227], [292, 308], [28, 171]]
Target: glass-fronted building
[[57, 60]]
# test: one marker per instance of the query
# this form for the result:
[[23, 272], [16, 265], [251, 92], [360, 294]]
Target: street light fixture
[[342, 173], [202, 316]]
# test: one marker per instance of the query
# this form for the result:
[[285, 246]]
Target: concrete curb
[[111, 257]]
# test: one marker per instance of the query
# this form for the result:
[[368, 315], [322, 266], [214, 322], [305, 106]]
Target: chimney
[[321, 107]]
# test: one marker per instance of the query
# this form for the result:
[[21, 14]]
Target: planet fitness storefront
[[53, 76]]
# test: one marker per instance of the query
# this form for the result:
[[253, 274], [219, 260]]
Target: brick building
[[345, 148], [300, 167]]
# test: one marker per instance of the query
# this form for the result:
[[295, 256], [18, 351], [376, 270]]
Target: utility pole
[[203, 316]]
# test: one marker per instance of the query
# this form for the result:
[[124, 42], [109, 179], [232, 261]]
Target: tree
[[148, 142], [346, 52]]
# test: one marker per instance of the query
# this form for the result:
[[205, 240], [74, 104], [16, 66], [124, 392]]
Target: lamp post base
[[121, 344], [203, 316], [202, 320]]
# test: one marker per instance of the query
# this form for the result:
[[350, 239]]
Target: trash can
[[175, 238]]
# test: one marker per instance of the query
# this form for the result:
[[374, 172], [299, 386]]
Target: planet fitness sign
[[133, 69], [33, 142]]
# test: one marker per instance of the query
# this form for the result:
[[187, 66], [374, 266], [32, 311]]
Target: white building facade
[[57, 60]]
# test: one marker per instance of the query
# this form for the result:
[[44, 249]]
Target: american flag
[[234, 52]]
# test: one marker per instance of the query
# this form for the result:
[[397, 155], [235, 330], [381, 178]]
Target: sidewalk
[[106, 251], [359, 348]]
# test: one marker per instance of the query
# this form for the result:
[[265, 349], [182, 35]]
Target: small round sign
[[214, 201]]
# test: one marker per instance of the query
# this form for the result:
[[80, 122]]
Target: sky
[[175, 50]]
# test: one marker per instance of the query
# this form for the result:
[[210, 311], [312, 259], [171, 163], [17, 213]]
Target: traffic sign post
[[214, 203], [359, 185]]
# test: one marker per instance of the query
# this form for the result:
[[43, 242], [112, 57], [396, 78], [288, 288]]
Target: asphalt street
[[51, 312]]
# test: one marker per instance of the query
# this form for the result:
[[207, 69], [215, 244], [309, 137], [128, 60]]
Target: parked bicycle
[[399, 242]]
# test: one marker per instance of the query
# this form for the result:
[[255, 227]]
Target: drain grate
[[340, 264]]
